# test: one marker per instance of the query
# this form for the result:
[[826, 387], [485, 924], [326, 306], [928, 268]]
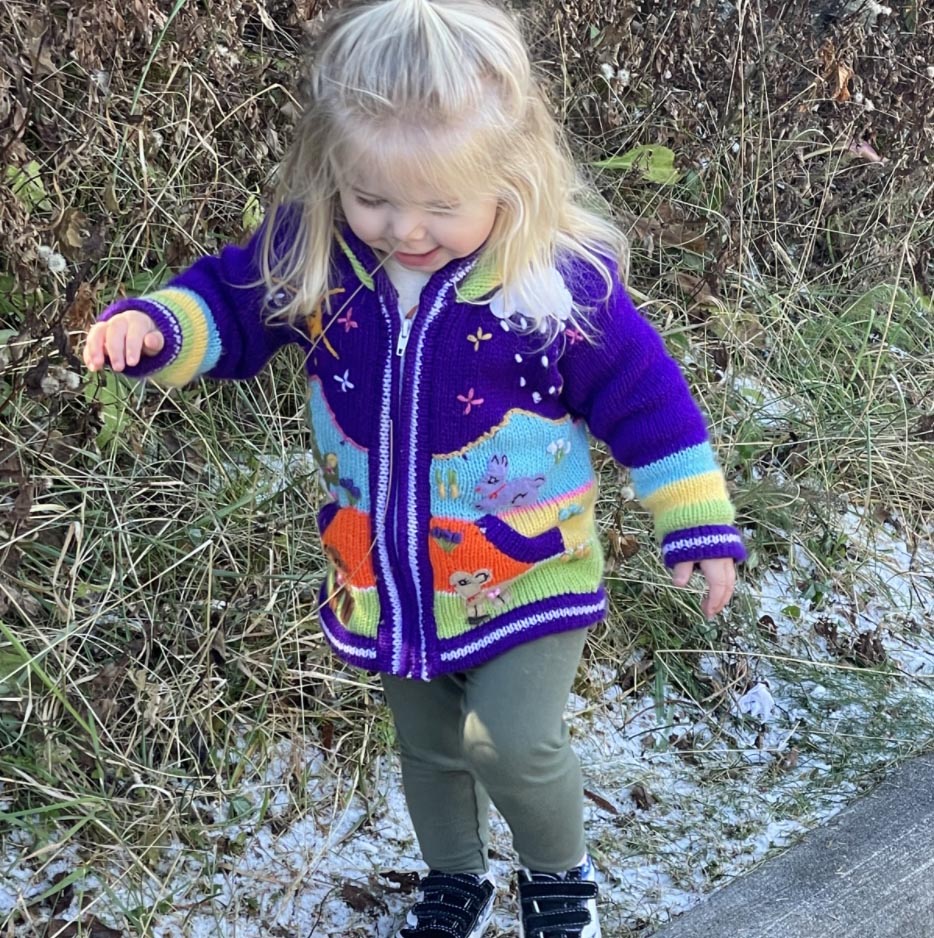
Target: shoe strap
[[571, 915], [557, 890], [438, 916]]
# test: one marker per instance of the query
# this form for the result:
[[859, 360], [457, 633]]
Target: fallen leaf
[[26, 184], [634, 675], [868, 649], [842, 75], [643, 798], [73, 231], [407, 882], [358, 898], [698, 289], [685, 747], [80, 314], [622, 546], [789, 760], [654, 162], [601, 802], [767, 626]]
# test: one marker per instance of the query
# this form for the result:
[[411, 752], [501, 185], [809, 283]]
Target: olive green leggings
[[494, 733]]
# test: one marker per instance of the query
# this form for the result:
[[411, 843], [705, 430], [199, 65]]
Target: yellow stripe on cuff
[[707, 486], [187, 309]]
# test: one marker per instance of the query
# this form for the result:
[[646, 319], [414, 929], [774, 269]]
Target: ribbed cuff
[[703, 543], [165, 323]]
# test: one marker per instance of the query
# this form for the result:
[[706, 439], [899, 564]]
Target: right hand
[[122, 341]]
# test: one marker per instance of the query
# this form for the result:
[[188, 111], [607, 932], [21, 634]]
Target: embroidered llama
[[497, 492]]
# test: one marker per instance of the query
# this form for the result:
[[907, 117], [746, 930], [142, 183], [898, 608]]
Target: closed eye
[[370, 203]]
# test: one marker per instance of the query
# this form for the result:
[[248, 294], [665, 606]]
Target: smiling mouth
[[410, 254]]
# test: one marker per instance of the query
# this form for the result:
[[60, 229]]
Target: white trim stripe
[[380, 502], [343, 646], [705, 540], [520, 625]]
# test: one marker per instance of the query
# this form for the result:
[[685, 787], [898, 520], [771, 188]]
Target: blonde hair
[[441, 93]]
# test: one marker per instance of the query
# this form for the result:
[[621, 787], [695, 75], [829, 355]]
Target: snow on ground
[[680, 797]]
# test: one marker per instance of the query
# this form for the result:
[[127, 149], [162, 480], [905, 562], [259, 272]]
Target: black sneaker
[[451, 905], [559, 905]]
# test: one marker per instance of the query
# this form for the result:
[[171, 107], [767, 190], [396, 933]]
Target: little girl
[[458, 300]]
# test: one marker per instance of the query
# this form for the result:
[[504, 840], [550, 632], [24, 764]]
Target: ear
[[482, 576]]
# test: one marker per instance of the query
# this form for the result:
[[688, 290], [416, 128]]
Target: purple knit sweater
[[459, 518]]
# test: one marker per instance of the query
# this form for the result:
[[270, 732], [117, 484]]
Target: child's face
[[422, 234]]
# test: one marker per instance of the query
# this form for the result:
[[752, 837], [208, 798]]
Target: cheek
[[469, 235], [365, 223]]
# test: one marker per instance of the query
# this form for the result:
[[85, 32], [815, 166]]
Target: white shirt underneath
[[409, 285]]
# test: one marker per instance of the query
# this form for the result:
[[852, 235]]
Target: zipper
[[401, 343], [396, 478]]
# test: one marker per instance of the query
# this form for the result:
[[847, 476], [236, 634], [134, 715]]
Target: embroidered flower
[[559, 449], [574, 336], [470, 401], [347, 320], [478, 337], [344, 381]]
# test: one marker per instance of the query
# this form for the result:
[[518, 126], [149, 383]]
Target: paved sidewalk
[[869, 873]]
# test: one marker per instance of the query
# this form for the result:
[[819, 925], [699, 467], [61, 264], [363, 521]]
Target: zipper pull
[[403, 337]]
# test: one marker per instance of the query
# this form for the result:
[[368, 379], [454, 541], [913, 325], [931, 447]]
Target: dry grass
[[157, 611]]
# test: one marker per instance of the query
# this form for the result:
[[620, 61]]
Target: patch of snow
[[682, 795]]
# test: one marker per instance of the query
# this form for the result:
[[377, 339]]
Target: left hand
[[720, 574]]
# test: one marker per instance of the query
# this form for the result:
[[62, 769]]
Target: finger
[[94, 347], [135, 336], [681, 573], [153, 342], [718, 595], [115, 343]]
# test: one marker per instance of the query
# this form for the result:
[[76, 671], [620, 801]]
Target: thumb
[[681, 573], [153, 342]]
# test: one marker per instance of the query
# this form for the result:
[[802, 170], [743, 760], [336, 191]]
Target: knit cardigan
[[453, 447]]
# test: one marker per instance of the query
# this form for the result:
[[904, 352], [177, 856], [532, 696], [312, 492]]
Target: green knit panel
[[365, 616], [568, 574]]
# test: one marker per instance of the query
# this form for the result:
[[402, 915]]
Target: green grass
[[157, 609]]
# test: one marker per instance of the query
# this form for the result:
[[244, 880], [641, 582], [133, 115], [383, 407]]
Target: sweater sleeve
[[633, 396], [213, 318]]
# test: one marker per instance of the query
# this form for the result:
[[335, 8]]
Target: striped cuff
[[685, 490], [192, 342], [703, 543]]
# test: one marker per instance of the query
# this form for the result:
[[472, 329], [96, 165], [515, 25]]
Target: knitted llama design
[[498, 493]]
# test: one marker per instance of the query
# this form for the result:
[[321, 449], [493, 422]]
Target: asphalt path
[[868, 873]]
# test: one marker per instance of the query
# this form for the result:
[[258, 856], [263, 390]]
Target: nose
[[407, 226]]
